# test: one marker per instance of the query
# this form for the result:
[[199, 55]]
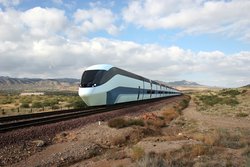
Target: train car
[[105, 84]]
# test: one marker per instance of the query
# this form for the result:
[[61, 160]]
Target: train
[[104, 84]]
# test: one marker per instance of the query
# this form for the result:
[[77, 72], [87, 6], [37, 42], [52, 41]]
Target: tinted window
[[92, 78]]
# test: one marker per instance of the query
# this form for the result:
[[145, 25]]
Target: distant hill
[[247, 86], [8, 83], [38, 84], [183, 83]]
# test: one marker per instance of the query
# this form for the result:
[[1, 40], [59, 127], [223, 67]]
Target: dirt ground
[[215, 121], [168, 138]]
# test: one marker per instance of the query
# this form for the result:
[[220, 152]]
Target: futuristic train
[[105, 84]]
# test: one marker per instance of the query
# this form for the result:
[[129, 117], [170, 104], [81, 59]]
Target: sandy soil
[[215, 121]]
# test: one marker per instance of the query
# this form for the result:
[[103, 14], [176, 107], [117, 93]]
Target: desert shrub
[[53, 101], [78, 104], [241, 114], [158, 123], [26, 100], [117, 123], [210, 99], [210, 138], [230, 140], [47, 103], [230, 92], [247, 152], [151, 160], [184, 103], [121, 122], [170, 114], [3, 112], [137, 122], [137, 153], [37, 104], [7, 100], [229, 101], [55, 107], [243, 91], [118, 140], [25, 105]]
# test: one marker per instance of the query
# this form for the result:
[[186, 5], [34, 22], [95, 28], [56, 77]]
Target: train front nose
[[85, 94]]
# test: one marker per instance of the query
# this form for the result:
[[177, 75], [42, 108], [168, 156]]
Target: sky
[[205, 41]]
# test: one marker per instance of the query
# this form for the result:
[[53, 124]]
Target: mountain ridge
[[9, 83], [39, 84], [183, 83]]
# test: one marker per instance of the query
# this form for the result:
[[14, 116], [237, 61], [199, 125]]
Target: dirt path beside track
[[214, 121]]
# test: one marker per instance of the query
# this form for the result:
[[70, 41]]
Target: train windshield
[[92, 78]]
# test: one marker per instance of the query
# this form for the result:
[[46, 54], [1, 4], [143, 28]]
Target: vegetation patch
[[242, 114], [14, 104], [229, 92], [121, 122], [184, 103], [211, 100]]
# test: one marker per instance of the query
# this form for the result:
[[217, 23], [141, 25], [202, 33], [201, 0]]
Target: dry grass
[[137, 153], [209, 138], [170, 114], [118, 140], [158, 123], [151, 160]]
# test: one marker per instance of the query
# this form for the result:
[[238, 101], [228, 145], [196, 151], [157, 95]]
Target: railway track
[[20, 121]]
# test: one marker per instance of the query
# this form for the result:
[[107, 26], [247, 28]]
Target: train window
[[92, 78]]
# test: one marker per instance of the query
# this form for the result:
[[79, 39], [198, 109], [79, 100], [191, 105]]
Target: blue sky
[[198, 40]]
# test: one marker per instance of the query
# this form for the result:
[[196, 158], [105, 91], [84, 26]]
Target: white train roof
[[100, 67]]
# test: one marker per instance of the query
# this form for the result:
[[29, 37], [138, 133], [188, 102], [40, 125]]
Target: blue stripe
[[114, 93]]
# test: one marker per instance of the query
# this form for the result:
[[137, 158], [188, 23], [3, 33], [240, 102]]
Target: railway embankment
[[20, 144]]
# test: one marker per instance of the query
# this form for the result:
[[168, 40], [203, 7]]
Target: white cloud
[[11, 27], [96, 19], [229, 18], [44, 21], [8, 3], [58, 57]]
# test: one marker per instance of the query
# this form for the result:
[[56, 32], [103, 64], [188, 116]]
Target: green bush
[[241, 114], [229, 101], [55, 107], [184, 103], [211, 100], [78, 104], [37, 104], [121, 122], [230, 92], [26, 100], [137, 122], [25, 105], [117, 123], [7, 100]]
